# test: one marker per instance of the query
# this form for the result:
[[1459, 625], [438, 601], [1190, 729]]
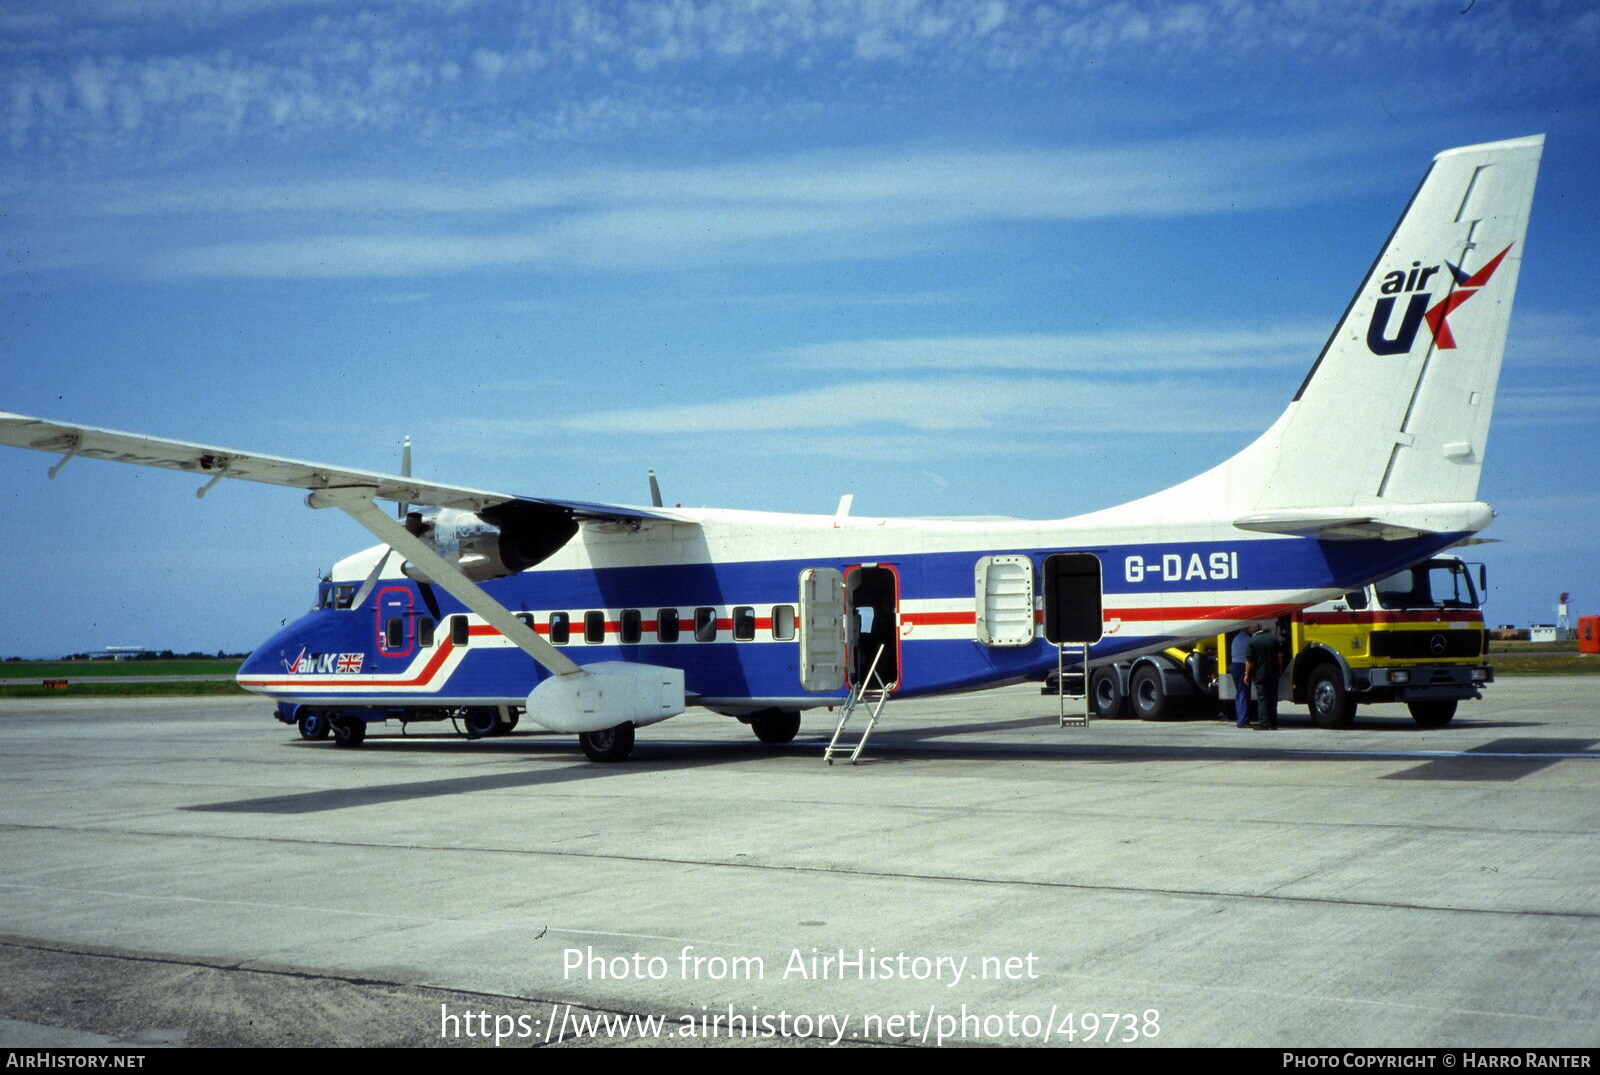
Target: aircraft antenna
[[405, 469]]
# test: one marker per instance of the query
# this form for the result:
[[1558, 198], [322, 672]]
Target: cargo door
[[1004, 586], [823, 645]]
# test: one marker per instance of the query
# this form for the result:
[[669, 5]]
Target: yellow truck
[[1415, 637]]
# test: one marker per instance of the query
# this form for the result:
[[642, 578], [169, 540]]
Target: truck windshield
[[1434, 584]]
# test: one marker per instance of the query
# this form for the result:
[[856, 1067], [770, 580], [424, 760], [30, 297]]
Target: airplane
[[599, 619]]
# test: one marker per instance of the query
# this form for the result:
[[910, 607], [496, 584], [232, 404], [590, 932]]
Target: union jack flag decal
[[350, 662]]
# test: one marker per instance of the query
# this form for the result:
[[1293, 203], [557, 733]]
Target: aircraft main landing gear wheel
[[313, 724], [608, 744], [481, 723], [775, 726], [1433, 713], [1330, 704], [348, 731]]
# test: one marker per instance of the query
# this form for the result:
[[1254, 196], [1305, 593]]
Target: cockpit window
[[336, 595]]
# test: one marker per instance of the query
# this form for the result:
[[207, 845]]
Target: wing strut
[[356, 502]]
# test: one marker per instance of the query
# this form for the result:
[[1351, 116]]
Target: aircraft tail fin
[[1396, 410]]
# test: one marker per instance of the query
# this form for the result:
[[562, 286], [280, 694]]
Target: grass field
[[91, 689], [25, 679], [1542, 659], [91, 669]]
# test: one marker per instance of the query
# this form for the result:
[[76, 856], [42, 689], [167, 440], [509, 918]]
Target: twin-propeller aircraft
[[601, 618]]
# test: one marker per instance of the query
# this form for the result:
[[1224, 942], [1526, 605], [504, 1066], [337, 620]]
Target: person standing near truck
[[1238, 654], [1264, 661]]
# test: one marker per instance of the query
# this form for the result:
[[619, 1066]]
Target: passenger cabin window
[[783, 622], [458, 631], [705, 625], [667, 625], [560, 628], [594, 627], [394, 633], [425, 632], [744, 623], [632, 628]]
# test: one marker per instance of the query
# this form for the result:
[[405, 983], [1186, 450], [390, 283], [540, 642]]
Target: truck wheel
[[348, 731], [1433, 712], [775, 725], [1330, 703], [1147, 695], [1105, 694], [608, 744], [313, 724]]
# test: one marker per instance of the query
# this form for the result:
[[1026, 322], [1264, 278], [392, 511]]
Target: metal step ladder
[[1075, 656], [871, 693]]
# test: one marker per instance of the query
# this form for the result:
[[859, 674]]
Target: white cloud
[[1539, 408], [1189, 349], [335, 66], [1541, 338], [767, 211], [982, 406]]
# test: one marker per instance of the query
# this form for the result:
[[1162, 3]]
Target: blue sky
[[955, 258]]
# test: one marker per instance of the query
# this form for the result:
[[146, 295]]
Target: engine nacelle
[[493, 543], [462, 538]]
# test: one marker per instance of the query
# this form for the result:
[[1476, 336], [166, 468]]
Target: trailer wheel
[[775, 725], [1433, 712], [503, 727], [1147, 695], [1105, 694], [608, 744], [313, 724], [1330, 703], [348, 731]]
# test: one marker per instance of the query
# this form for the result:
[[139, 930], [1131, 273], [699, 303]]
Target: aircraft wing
[[212, 463]]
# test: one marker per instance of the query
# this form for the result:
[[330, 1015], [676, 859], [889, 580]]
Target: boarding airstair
[[1072, 682], [871, 694]]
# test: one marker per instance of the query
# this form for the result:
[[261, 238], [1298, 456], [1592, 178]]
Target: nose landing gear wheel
[[313, 724]]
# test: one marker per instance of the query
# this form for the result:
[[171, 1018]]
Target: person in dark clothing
[[1243, 709], [1264, 661]]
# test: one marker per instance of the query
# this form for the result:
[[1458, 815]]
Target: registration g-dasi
[[1178, 567]]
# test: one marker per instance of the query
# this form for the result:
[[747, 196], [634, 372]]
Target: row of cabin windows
[[669, 626]]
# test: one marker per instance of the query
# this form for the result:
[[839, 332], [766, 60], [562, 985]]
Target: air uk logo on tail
[[1415, 284]]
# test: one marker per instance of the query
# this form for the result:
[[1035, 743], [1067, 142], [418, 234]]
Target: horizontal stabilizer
[[1391, 523]]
